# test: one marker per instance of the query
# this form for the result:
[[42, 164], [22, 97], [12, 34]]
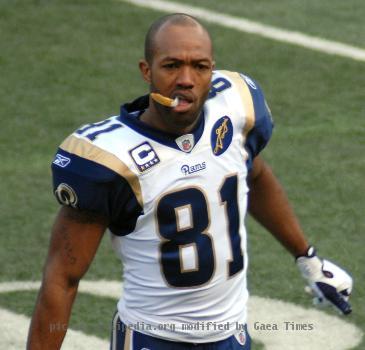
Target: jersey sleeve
[[261, 132], [87, 185]]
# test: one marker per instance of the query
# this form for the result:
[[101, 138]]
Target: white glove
[[329, 284]]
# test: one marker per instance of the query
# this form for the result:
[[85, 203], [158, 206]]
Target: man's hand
[[328, 283]]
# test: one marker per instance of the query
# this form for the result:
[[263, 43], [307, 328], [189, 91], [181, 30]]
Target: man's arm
[[75, 238], [269, 205]]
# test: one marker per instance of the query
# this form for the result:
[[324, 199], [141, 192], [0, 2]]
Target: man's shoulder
[[236, 78], [235, 91], [91, 171], [101, 145], [96, 131], [244, 86], [106, 136]]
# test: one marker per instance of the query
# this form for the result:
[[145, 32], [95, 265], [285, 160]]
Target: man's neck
[[150, 117]]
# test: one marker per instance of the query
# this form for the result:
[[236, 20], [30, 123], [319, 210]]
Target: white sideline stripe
[[14, 329], [330, 332], [98, 288], [16, 286], [249, 26]]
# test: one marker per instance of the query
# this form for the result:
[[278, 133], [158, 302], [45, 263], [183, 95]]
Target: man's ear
[[144, 67]]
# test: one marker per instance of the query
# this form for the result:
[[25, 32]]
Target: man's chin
[[185, 120]]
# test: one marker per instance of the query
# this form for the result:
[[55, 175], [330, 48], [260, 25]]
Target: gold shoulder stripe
[[246, 97], [127, 339], [87, 150]]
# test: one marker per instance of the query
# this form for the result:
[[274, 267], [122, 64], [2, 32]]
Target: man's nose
[[185, 77]]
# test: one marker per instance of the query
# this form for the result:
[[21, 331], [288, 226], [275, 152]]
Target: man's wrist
[[309, 252]]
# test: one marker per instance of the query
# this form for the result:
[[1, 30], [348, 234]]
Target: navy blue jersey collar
[[129, 115]]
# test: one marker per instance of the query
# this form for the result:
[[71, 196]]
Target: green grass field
[[66, 63]]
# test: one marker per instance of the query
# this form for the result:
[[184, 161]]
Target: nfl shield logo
[[186, 145], [185, 142], [241, 337]]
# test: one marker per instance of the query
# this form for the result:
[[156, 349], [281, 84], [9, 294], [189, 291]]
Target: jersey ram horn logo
[[221, 136]]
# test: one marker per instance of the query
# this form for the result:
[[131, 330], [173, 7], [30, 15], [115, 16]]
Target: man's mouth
[[185, 101], [180, 101], [183, 96]]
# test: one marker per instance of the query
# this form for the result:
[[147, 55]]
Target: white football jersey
[[176, 207]]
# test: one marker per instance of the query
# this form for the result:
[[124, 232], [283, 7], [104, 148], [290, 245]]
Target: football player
[[172, 178]]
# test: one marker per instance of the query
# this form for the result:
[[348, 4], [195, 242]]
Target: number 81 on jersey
[[193, 234]]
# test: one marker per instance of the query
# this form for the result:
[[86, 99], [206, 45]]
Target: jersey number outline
[[110, 125], [218, 85], [194, 234]]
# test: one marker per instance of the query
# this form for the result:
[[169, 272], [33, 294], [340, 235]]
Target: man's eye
[[202, 67], [170, 65]]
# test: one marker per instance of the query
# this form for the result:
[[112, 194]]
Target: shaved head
[[177, 19]]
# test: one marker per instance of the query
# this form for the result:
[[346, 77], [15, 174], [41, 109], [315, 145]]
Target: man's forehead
[[171, 31], [173, 37]]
